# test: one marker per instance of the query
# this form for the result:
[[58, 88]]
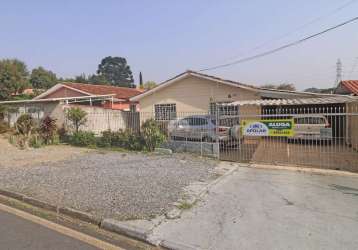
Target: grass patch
[[185, 205]]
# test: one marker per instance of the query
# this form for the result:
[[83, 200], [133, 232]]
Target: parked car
[[199, 128], [311, 127]]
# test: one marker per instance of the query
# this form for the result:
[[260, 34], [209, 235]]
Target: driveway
[[271, 209]]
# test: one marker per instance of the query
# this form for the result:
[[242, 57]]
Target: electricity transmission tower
[[338, 72]]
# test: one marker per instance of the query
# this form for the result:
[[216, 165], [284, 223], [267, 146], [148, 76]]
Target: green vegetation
[[42, 79], [48, 131], [116, 71], [149, 138], [185, 205], [152, 135], [77, 117], [149, 85], [13, 78], [83, 139]]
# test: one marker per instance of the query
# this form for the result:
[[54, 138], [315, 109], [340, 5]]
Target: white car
[[311, 127]]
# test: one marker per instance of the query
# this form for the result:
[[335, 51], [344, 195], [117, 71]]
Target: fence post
[[217, 129]]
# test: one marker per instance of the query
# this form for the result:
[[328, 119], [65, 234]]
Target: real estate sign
[[274, 127]]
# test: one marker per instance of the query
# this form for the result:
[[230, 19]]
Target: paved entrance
[[271, 209], [335, 155]]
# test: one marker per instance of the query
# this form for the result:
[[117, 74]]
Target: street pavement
[[17, 233], [271, 209]]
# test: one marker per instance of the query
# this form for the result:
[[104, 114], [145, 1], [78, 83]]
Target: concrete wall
[[100, 119], [37, 110]]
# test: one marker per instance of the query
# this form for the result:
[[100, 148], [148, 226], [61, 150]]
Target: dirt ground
[[10, 156]]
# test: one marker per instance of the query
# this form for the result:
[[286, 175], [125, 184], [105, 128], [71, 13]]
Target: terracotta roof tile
[[121, 92], [351, 85]]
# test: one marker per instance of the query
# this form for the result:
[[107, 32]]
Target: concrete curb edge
[[310, 170], [106, 224]]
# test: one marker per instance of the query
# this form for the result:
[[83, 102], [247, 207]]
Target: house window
[[223, 110], [165, 112]]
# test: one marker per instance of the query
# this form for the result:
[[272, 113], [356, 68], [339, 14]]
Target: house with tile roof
[[119, 96], [347, 87], [193, 91]]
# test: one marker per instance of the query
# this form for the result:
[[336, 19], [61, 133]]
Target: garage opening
[[317, 132]]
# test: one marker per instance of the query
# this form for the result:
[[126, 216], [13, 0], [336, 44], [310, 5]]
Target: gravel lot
[[111, 184], [12, 157]]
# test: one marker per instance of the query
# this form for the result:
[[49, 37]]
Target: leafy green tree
[[149, 85], [97, 79], [42, 79], [77, 117], [13, 78], [116, 71]]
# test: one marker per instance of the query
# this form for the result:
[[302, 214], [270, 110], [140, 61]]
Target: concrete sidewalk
[[271, 209]]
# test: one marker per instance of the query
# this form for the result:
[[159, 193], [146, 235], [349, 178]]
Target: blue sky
[[163, 38]]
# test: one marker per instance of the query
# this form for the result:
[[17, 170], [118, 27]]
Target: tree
[[42, 79], [77, 116], [13, 78], [283, 86], [140, 80], [116, 71], [149, 85], [97, 79]]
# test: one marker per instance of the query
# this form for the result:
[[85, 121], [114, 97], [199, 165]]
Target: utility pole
[[338, 72]]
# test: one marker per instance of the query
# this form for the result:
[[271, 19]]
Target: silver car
[[197, 127]]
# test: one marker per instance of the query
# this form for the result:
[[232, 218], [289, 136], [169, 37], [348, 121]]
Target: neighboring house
[[348, 87], [119, 101], [193, 92]]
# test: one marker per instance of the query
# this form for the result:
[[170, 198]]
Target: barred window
[[223, 110], [165, 112]]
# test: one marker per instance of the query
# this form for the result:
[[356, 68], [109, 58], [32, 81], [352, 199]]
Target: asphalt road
[[271, 209], [18, 233]]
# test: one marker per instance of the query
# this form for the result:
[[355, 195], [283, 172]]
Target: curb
[[126, 229], [80, 215], [301, 169], [76, 214], [106, 224], [176, 246]]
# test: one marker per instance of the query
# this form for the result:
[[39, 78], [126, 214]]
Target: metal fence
[[321, 136]]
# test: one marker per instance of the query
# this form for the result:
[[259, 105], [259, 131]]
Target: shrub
[[36, 141], [25, 125], [152, 135], [77, 117], [48, 130], [106, 139], [83, 139], [63, 135], [122, 138]]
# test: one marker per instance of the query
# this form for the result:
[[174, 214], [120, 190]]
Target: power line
[[301, 27], [279, 48]]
